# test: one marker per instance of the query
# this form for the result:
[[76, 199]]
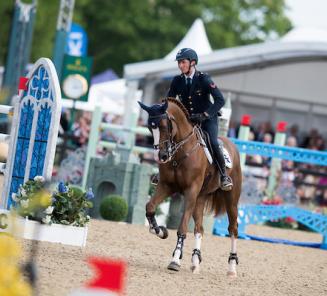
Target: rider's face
[[184, 65]]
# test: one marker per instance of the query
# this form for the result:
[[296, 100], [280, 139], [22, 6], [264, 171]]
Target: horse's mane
[[180, 105]]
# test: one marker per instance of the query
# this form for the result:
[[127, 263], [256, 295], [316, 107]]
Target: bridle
[[170, 147]]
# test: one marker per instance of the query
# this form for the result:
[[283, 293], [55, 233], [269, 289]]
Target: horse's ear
[[143, 106], [165, 106]]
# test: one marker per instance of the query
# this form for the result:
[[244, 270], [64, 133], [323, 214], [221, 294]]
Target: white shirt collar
[[191, 76]]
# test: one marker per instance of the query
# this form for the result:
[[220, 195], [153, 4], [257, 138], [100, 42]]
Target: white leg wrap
[[176, 257], [197, 245], [198, 240], [232, 264], [195, 258]]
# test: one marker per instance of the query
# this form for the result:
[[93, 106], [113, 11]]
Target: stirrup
[[155, 180], [226, 183]]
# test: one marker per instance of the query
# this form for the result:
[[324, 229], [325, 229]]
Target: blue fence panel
[[282, 152], [254, 214]]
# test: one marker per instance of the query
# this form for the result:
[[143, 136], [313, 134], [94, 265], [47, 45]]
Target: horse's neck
[[184, 128]]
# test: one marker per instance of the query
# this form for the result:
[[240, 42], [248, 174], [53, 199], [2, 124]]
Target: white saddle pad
[[206, 150], [228, 160]]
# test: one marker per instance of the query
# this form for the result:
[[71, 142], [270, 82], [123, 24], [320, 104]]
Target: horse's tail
[[216, 203]]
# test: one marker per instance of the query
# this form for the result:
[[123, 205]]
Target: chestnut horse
[[184, 168]]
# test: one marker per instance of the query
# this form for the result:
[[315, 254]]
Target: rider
[[194, 89]]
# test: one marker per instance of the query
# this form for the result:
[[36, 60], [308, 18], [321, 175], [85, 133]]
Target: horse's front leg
[[198, 233], [190, 196], [161, 193]]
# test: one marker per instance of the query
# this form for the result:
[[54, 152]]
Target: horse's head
[[161, 124]]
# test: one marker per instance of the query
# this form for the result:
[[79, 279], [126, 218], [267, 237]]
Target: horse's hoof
[[164, 232], [232, 274], [174, 266], [195, 269]]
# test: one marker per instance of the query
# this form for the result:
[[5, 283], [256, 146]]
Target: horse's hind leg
[[198, 233], [232, 211], [161, 193]]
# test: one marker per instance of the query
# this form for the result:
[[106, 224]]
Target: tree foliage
[[128, 31]]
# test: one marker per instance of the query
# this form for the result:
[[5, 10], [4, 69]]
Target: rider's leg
[[226, 181], [211, 127]]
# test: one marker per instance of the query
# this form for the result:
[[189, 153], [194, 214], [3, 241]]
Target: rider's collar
[[190, 76]]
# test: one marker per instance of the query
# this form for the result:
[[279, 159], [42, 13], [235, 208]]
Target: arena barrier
[[254, 214], [34, 129], [281, 152]]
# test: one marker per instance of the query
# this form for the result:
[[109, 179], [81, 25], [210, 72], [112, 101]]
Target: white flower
[[14, 197], [47, 219], [24, 203], [49, 210], [39, 179], [23, 192]]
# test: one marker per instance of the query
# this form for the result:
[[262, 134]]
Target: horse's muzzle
[[163, 156]]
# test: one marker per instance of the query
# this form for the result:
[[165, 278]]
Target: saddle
[[206, 143]]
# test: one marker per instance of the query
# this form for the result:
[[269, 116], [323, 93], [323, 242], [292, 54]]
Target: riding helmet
[[187, 54]]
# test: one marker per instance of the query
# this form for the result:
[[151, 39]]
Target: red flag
[[110, 274], [281, 126], [22, 83], [246, 120]]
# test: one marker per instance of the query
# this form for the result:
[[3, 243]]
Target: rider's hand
[[199, 117]]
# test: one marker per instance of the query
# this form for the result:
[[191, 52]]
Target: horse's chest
[[175, 177]]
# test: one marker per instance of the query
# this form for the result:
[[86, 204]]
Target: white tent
[[196, 38]]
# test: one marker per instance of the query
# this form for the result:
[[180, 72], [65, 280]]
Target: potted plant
[[62, 214]]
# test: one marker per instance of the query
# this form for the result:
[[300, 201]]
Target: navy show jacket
[[197, 99]]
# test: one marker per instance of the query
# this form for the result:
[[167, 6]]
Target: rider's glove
[[199, 117]]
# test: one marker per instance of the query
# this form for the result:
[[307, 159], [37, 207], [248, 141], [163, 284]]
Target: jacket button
[[190, 97], [191, 103], [191, 109]]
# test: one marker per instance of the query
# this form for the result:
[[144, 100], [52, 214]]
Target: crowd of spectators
[[310, 181]]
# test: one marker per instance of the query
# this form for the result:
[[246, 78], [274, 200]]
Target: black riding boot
[[226, 183]]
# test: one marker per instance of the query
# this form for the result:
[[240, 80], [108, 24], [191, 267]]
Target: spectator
[[81, 130]]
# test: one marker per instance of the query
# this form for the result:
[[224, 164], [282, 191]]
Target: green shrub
[[113, 208]]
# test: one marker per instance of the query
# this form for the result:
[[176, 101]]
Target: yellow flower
[[9, 248], [41, 199], [19, 288], [11, 282], [9, 274]]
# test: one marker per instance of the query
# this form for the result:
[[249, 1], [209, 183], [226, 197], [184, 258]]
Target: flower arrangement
[[68, 205]]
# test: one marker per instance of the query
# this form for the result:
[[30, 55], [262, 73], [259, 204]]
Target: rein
[[195, 131], [171, 146]]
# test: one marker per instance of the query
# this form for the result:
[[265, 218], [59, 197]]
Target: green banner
[[76, 74]]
